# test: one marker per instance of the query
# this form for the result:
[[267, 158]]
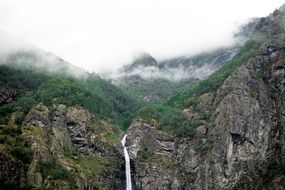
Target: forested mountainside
[[30, 77], [51, 109], [157, 80], [61, 129]]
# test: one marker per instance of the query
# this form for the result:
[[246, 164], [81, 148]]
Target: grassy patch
[[94, 165], [50, 168], [147, 154], [169, 119], [103, 169], [70, 153], [10, 137], [204, 147]]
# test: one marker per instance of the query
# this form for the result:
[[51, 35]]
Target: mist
[[100, 36]]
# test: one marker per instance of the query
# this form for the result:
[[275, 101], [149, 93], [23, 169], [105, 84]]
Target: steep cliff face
[[70, 149], [241, 143]]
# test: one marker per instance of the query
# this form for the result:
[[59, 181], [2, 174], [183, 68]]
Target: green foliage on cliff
[[98, 167], [169, 119], [21, 80], [10, 137], [214, 81], [262, 177], [19, 154], [54, 170], [146, 154], [204, 147], [50, 168]]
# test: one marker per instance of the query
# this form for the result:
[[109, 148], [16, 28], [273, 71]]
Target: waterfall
[[128, 166]]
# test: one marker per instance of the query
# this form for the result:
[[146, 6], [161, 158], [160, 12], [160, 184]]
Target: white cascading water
[[128, 166]]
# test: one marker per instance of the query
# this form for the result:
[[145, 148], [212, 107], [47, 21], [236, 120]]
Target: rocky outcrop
[[152, 152], [244, 137], [234, 133], [73, 139], [249, 125]]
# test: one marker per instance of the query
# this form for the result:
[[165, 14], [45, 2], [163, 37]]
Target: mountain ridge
[[58, 131], [179, 72]]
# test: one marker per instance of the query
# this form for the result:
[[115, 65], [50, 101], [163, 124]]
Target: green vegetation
[[10, 137], [105, 100], [95, 165], [162, 89], [50, 168], [204, 147], [70, 152], [170, 119], [213, 82], [12, 143], [21, 80], [101, 166], [154, 90], [263, 177], [99, 96], [54, 170], [273, 94], [105, 133], [147, 154], [111, 137]]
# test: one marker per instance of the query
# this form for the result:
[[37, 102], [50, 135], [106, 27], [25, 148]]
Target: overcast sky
[[103, 34]]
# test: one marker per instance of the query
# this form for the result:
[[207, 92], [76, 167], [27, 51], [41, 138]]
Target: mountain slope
[[226, 132], [61, 131], [60, 126], [34, 78], [155, 81]]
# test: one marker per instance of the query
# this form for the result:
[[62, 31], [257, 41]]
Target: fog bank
[[102, 35]]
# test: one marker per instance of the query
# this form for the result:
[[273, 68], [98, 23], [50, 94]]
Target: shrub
[[23, 153], [146, 154], [203, 148], [54, 170], [170, 119]]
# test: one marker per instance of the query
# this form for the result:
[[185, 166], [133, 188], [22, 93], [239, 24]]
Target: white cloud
[[103, 34]]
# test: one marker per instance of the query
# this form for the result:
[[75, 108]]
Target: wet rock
[[39, 116]]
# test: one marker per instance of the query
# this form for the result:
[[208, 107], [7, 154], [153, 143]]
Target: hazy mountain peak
[[142, 60]]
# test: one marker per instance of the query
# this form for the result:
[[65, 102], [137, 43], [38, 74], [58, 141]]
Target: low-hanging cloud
[[173, 74], [102, 35]]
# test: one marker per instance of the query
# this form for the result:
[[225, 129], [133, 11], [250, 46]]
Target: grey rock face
[[38, 117], [248, 124], [61, 130], [248, 115], [152, 152]]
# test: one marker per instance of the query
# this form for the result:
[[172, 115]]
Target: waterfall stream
[[128, 166]]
